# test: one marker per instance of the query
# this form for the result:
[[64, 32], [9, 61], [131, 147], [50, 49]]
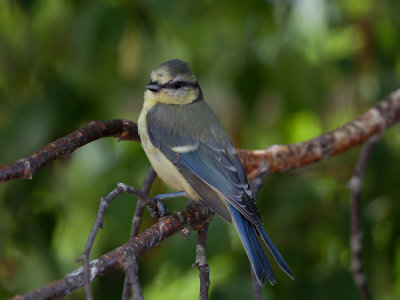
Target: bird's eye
[[177, 84]]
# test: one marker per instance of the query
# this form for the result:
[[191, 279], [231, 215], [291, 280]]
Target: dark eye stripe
[[178, 84]]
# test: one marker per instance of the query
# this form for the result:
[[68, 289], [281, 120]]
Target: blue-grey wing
[[216, 168], [208, 164]]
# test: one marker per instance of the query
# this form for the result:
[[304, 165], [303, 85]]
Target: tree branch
[[26, 167], [279, 158]]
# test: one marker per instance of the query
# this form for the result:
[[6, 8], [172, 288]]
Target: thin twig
[[132, 275], [355, 185], [136, 222], [137, 217], [201, 258], [256, 286], [126, 288], [104, 202]]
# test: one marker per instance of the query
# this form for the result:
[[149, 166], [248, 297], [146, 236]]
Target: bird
[[189, 149]]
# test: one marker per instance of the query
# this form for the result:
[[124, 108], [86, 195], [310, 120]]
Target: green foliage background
[[274, 71]]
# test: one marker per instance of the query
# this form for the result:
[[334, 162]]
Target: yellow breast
[[161, 164]]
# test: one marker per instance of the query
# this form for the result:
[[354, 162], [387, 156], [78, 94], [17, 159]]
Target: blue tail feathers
[[275, 253], [248, 235]]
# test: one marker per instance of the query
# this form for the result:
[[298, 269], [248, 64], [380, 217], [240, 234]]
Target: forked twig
[[104, 202]]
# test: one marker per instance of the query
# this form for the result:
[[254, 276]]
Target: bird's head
[[172, 83]]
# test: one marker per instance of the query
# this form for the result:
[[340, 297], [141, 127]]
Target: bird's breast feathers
[[161, 164]]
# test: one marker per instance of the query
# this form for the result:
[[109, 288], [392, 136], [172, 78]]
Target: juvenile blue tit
[[189, 149]]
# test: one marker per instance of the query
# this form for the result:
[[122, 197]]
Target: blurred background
[[274, 71]]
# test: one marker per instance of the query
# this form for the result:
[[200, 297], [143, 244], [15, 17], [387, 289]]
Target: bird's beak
[[153, 86]]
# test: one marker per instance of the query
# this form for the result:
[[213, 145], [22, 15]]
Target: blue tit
[[190, 150]]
